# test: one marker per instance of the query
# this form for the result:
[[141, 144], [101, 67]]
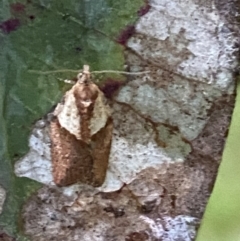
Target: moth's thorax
[[85, 96]]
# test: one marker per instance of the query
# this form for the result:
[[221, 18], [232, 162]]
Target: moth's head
[[84, 77]]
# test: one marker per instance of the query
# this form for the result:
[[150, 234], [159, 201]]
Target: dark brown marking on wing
[[101, 147], [71, 158]]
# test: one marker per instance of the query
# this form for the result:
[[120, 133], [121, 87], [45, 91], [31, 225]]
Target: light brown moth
[[81, 134]]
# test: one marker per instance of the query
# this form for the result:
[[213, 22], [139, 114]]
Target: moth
[[81, 134]]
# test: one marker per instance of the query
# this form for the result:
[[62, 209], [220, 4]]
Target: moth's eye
[[79, 75]]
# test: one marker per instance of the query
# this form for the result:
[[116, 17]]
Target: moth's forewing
[[71, 158], [101, 147]]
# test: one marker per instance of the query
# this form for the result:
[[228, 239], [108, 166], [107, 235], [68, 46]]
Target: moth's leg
[[67, 81]]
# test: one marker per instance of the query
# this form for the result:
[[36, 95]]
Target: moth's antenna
[[119, 72], [54, 71], [93, 72]]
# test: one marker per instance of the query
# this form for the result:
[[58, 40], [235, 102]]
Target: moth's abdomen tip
[[62, 183], [97, 183]]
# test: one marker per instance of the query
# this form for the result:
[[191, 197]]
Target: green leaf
[[221, 220]]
